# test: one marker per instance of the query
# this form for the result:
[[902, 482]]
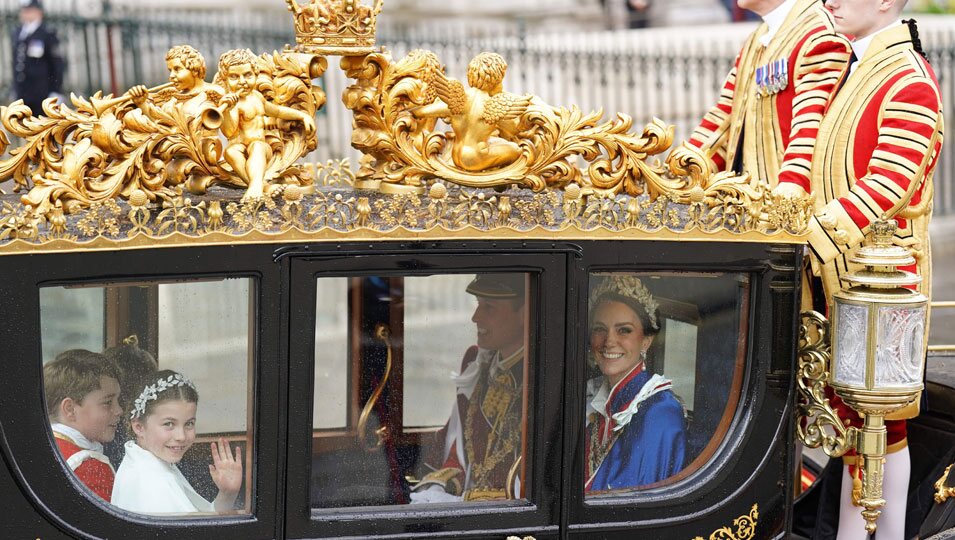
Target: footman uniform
[[769, 109]]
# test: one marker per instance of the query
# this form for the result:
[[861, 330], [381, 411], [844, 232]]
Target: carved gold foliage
[[396, 104], [180, 214], [744, 528], [333, 173], [18, 222], [818, 424], [101, 219], [107, 148], [943, 492]]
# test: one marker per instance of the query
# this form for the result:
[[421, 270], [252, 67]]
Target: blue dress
[[651, 445]]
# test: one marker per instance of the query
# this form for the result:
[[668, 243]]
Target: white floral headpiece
[[152, 391], [627, 286]]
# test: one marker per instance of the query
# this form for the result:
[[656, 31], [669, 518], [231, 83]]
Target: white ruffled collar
[[76, 437]]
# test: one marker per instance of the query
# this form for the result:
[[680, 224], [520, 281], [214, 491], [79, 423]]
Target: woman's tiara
[[629, 287]]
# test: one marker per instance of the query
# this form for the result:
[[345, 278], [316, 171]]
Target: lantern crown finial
[[882, 259]]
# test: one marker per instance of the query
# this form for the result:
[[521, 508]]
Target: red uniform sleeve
[[904, 153], [97, 476], [821, 62]]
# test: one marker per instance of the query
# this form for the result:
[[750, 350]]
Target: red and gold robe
[[877, 149], [91, 467], [777, 131]]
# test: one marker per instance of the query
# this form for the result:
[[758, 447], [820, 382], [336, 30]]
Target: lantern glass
[[851, 335], [900, 350]]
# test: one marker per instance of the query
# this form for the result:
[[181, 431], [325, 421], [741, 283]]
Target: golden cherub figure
[[244, 110], [484, 117], [187, 73]]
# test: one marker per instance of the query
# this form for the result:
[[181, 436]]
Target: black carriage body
[[747, 475]]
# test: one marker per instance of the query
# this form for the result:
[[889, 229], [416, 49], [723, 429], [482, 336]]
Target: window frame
[[674, 509], [548, 268], [28, 444]]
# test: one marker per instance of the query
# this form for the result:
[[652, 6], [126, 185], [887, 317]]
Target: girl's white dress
[[149, 485]]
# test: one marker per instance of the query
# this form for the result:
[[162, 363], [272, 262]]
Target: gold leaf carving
[[744, 528]]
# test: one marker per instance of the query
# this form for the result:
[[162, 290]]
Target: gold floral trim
[[336, 211], [744, 528]]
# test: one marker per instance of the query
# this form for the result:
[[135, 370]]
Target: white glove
[[433, 494]]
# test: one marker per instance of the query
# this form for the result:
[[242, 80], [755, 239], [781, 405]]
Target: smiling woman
[[665, 376], [636, 430]]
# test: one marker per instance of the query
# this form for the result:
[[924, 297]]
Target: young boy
[[82, 401]]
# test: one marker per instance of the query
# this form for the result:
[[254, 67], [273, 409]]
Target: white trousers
[[895, 491]]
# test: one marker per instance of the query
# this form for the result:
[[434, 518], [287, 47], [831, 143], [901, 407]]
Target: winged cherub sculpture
[[484, 117]]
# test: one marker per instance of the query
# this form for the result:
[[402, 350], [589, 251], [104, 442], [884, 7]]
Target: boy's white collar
[[78, 438]]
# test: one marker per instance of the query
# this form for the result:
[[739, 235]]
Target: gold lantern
[[877, 359]]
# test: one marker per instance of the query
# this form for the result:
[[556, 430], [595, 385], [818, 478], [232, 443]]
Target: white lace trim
[[654, 386]]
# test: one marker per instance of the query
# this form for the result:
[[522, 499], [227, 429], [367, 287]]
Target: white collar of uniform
[[29, 28], [77, 437], [861, 45], [775, 19], [466, 381]]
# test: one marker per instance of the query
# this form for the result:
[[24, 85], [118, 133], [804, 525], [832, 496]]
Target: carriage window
[[666, 356], [432, 405], [151, 409]]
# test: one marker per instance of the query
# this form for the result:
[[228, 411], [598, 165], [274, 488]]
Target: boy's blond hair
[[74, 374]]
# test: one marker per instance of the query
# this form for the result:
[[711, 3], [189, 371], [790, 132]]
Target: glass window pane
[[438, 368], [140, 422], [666, 356], [72, 318], [330, 407], [434, 306]]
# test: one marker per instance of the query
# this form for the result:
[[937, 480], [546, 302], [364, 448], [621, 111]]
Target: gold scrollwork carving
[[943, 492], [383, 334], [815, 416], [499, 139], [744, 528], [150, 141]]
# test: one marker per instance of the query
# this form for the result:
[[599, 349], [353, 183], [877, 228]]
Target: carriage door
[[425, 394]]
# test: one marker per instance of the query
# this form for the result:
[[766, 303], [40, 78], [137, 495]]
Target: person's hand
[[138, 93], [230, 99], [226, 469], [433, 494], [789, 191]]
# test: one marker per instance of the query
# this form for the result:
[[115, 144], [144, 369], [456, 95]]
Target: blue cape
[[651, 447]]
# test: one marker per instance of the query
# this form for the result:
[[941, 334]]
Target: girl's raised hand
[[226, 469]]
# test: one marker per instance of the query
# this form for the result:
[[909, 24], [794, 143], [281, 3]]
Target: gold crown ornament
[[339, 27]]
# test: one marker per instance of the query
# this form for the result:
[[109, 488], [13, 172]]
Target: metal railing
[[657, 73]]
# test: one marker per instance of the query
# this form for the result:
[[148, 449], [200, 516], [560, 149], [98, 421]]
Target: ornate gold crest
[[340, 27], [196, 161]]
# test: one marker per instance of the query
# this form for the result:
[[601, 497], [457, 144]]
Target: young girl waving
[[163, 419]]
